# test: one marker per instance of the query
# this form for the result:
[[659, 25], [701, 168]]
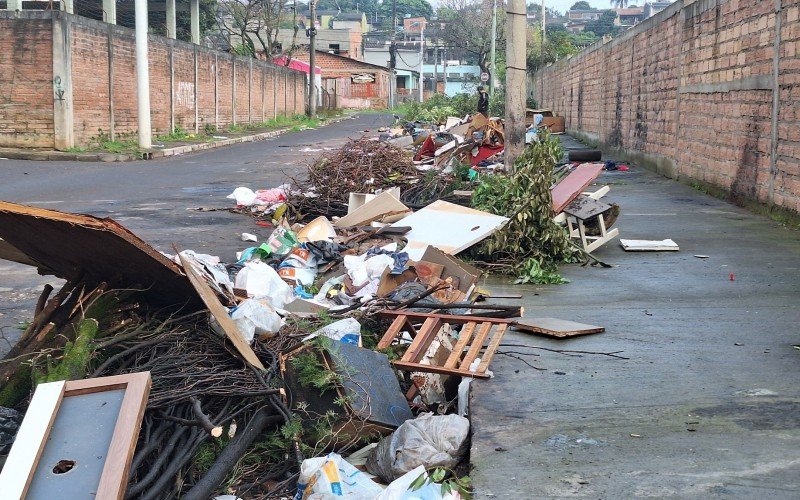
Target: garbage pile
[[262, 372]]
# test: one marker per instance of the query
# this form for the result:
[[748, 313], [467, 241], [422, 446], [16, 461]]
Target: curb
[[22, 154]]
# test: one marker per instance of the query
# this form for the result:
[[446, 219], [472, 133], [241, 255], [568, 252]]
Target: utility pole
[[444, 69], [393, 56], [312, 56], [492, 49], [435, 69], [544, 25], [515, 82], [421, 58], [142, 77]]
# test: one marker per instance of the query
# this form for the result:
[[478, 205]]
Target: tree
[[581, 6], [251, 26], [369, 7], [414, 8], [468, 28], [603, 26]]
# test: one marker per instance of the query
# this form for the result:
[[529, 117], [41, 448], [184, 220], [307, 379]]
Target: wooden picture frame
[[17, 475]]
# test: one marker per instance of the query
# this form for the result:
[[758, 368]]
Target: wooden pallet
[[476, 332]]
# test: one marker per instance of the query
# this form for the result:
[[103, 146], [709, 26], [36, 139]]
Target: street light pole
[[392, 56], [421, 58], [312, 74], [142, 76]]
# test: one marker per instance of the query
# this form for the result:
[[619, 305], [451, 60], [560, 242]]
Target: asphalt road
[[153, 198]]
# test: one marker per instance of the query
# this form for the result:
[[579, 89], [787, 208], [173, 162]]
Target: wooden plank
[[476, 346], [385, 207], [422, 340], [15, 478], [554, 327], [8, 252], [649, 246], [493, 345], [213, 304], [416, 367], [463, 341], [573, 184], [584, 207], [391, 333], [114, 480], [446, 318]]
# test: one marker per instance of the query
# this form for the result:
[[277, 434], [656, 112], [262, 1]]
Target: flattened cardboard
[[466, 274]]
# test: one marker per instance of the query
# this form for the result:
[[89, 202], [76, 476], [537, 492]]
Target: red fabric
[[485, 152], [427, 149]]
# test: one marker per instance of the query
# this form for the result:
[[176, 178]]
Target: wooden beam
[[446, 318]]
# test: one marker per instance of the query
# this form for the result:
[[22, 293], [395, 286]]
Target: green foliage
[[462, 485], [414, 8], [233, 127], [369, 7], [76, 356], [581, 6], [531, 239], [312, 373], [439, 107], [604, 25], [177, 134]]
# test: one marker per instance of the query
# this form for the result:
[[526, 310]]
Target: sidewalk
[[707, 406]]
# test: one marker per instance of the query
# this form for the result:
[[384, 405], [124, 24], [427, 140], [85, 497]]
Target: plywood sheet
[[220, 313], [104, 251], [554, 327], [574, 184], [372, 388], [384, 207], [449, 227], [649, 245]]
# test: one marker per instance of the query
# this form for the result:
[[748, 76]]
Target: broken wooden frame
[[476, 332], [575, 221], [34, 436]]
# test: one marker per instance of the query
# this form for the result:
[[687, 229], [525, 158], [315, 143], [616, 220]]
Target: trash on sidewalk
[[332, 476], [383, 208], [649, 245], [319, 229], [428, 440], [554, 327], [346, 330]]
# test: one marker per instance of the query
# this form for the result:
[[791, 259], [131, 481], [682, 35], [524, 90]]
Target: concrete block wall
[[66, 80], [706, 90]]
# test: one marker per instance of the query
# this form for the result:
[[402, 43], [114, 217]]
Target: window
[[334, 48]]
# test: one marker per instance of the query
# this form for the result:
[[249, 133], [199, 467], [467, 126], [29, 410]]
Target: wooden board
[[94, 428], [16, 475], [649, 245], [554, 327], [574, 184], [449, 227], [584, 207], [475, 333], [384, 208], [371, 387], [103, 250], [220, 313]]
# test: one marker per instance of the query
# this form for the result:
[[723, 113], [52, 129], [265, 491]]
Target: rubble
[[352, 321]]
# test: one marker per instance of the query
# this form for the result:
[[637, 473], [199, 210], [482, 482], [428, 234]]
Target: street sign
[[484, 77]]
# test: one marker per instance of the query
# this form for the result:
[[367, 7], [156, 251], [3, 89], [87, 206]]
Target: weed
[[235, 128], [177, 134], [75, 149]]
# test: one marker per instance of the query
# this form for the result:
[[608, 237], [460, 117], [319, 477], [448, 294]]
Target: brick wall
[[26, 92], [190, 86], [341, 69], [690, 92]]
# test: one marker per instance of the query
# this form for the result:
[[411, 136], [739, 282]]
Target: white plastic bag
[[399, 489], [260, 280], [254, 317], [332, 477], [428, 440], [346, 330], [244, 197]]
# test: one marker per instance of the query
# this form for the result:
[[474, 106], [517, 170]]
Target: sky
[[563, 5]]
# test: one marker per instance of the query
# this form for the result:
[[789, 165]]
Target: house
[[406, 64], [584, 14], [628, 17], [653, 8], [343, 42], [461, 78], [355, 84], [332, 19], [414, 27]]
